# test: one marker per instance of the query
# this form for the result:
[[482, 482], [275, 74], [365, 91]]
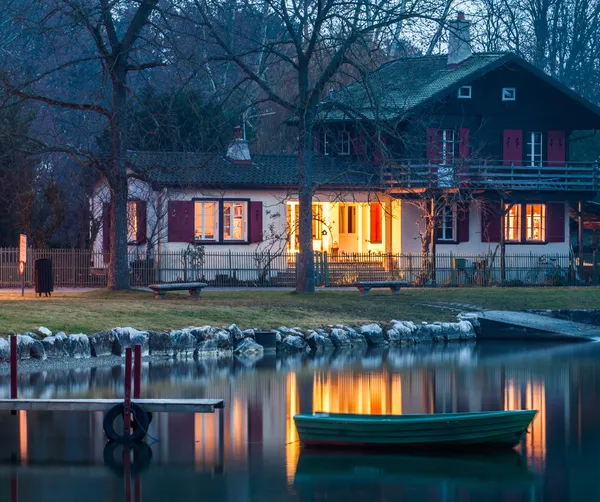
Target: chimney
[[459, 40], [237, 151]]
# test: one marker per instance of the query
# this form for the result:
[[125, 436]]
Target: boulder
[[56, 346], [319, 343], [473, 319], [249, 333], [42, 330], [224, 340], [28, 348], [294, 343], [249, 348], [128, 337], [4, 350], [236, 333], [200, 332], [401, 333], [356, 339], [160, 343], [183, 344], [373, 335], [340, 338], [35, 336], [79, 346], [209, 349], [102, 344]]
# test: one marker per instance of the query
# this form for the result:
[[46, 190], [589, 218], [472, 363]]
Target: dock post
[[137, 371], [127, 471], [14, 488], [14, 376], [126, 411]]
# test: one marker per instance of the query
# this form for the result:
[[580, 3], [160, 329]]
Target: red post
[[14, 488], [126, 411], [137, 371], [137, 493], [13, 367], [127, 470]]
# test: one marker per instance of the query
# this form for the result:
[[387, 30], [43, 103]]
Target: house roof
[[401, 86], [214, 171]]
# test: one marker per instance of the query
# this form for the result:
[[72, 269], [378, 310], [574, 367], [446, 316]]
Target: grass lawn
[[98, 310]]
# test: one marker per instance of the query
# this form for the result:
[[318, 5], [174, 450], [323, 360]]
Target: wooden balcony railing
[[493, 175]]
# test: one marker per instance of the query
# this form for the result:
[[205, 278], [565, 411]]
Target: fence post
[[296, 262], [326, 268]]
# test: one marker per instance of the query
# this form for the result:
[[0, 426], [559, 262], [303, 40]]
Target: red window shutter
[[106, 228], [181, 221], [378, 154], [255, 221], [555, 222], [463, 146], [462, 222], [557, 148], [316, 140], [140, 213], [433, 145], [358, 143], [512, 147], [491, 223], [376, 233]]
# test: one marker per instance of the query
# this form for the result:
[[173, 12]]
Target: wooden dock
[[505, 325], [151, 405]]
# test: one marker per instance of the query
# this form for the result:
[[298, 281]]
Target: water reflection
[[250, 451]]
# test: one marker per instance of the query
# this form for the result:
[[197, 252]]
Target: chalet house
[[488, 129]]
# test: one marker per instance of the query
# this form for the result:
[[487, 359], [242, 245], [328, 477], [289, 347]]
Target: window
[[327, 139], [347, 219], [512, 223], [206, 220], [317, 222], [132, 221], [509, 94], [344, 143], [446, 229], [447, 146], [464, 92], [535, 222], [534, 149], [530, 217], [235, 221]]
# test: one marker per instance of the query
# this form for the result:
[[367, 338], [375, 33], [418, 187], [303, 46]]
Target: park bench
[[365, 286], [160, 290]]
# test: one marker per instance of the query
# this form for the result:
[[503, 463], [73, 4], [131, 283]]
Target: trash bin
[[44, 280]]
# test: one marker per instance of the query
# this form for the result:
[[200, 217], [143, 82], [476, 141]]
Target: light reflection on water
[[250, 450]]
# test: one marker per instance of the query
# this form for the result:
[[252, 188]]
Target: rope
[[155, 440]]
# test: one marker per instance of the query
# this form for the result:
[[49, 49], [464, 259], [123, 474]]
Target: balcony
[[404, 175]]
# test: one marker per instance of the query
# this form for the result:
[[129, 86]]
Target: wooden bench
[[365, 286], [160, 290]]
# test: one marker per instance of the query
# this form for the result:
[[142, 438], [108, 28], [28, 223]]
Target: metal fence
[[86, 268]]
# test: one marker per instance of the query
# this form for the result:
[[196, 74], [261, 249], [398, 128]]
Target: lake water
[[249, 451]]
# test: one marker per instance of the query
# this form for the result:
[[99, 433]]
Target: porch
[[478, 174]]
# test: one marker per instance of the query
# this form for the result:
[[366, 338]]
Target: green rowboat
[[440, 430]]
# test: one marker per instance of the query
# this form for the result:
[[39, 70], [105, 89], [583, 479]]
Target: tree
[[97, 41], [291, 54]]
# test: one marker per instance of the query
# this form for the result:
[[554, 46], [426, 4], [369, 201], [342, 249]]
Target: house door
[[348, 228]]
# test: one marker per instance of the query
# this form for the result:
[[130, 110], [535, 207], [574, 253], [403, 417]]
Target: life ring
[[139, 427], [142, 454]]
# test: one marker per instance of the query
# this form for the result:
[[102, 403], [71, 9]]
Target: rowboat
[[439, 430]]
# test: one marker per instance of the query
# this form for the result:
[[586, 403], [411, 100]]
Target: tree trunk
[[306, 267], [118, 269]]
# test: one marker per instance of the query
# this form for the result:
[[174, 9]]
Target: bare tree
[[294, 61]]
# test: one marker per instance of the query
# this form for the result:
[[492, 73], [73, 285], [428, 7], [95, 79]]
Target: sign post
[[22, 260]]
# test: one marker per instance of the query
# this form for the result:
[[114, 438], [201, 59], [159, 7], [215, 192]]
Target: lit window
[[234, 221], [347, 219], [206, 220], [446, 229], [344, 146], [534, 149], [132, 221], [535, 222], [509, 94], [464, 92], [512, 223], [317, 221]]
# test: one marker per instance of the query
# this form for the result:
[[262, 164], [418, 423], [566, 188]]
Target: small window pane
[[132, 223], [535, 222], [512, 223], [509, 94], [464, 92], [446, 224], [206, 220], [234, 221], [317, 221]]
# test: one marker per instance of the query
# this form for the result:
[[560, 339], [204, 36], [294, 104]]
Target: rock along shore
[[204, 342]]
